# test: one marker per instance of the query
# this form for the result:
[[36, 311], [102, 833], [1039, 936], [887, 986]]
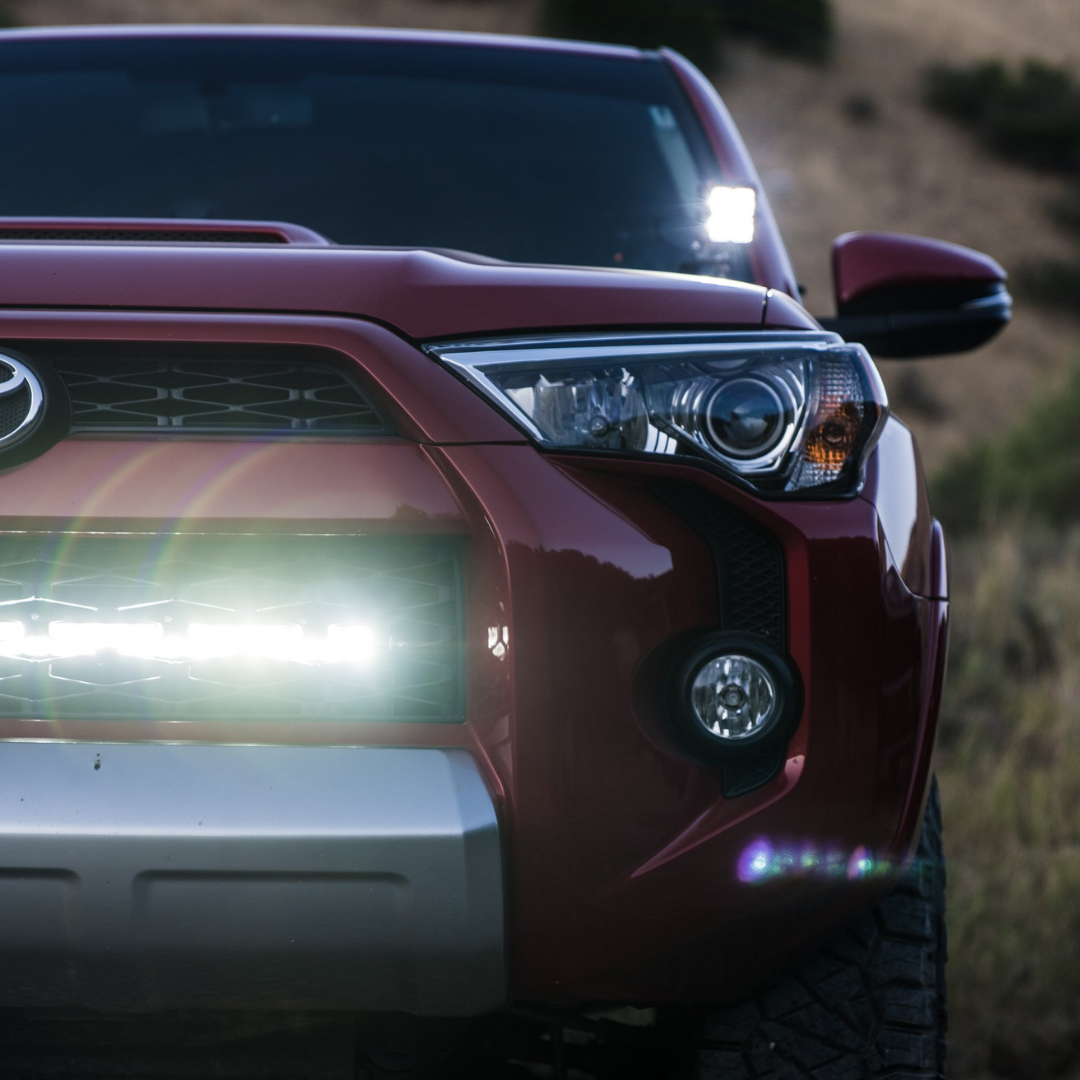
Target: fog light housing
[[734, 701]]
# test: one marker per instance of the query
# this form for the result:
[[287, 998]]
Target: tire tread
[[870, 1006]]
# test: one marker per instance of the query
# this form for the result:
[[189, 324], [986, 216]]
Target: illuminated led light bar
[[283, 642], [731, 215]]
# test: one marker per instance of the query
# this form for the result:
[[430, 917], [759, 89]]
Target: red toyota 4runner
[[447, 579]]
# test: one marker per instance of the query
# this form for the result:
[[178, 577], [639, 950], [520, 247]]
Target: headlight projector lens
[[745, 418], [734, 701], [734, 696]]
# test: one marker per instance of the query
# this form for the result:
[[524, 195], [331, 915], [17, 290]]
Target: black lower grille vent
[[749, 561], [187, 236], [229, 628], [13, 408], [216, 396]]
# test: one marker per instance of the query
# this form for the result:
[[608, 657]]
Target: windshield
[[522, 155]]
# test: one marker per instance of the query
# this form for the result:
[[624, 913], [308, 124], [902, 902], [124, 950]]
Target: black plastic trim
[[729, 535], [932, 327]]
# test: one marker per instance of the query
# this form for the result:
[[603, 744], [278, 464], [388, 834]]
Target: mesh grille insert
[[750, 563], [220, 396], [13, 410], [224, 628]]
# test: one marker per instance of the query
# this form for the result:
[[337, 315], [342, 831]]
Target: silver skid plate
[[165, 876]]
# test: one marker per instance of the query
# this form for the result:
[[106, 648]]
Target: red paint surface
[[783, 313], [896, 486], [422, 293], [138, 483], [864, 261]]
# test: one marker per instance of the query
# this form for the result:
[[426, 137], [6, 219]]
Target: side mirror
[[903, 296]]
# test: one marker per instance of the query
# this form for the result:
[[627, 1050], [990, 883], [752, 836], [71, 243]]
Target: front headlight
[[783, 413]]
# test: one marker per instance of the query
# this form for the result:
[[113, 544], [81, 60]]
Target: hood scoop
[[155, 231]]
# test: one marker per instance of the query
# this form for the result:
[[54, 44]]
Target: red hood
[[424, 294]]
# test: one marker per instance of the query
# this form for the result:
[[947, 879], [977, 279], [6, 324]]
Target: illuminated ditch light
[[762, 861], [731, 215], [281, 642]]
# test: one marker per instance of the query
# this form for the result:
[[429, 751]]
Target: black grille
[[186, 236], [749, 561], [221, 396], [13, 409], [399, 657]]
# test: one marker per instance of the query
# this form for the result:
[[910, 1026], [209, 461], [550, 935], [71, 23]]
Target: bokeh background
[[958, 119]]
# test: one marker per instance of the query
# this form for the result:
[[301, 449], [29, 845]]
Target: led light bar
[[253, 642]]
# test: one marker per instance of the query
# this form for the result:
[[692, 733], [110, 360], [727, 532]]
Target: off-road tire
[[871, 1005]]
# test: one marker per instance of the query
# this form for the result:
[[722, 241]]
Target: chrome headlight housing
[[786, 413]]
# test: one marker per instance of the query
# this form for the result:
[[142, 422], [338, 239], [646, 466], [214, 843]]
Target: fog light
[[734, 696], [733, 701]]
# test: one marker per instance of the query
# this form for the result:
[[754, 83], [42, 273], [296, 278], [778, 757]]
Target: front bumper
[[162, 876]]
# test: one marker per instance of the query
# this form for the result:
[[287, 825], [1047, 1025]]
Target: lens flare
[[763, 861], [756, 861]]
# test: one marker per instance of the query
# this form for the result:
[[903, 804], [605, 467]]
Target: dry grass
[[1009, 765]]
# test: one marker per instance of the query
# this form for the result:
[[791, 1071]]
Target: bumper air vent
[[155, 230], [230, 628], [161, 236], [220, 396], [749, 563]]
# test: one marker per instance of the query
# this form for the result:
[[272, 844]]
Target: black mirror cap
[[925, 320]]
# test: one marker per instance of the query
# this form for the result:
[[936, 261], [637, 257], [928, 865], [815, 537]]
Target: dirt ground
[[826, 173]]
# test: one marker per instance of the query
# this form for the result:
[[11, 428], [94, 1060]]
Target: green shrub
[[695, 27], [1031, 115], [1066, 211], [1050, 283], [1031, 472], [799, 27]]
